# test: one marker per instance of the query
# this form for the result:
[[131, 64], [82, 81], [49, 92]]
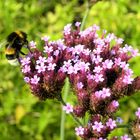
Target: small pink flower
[[110, 37], [98, 94], [97, 126], [90, 77], [68, 108], [115, 103], [128, 48], [50, 59], [129, 72], [95, 27], [32, 44], [40, 68], [118, 61], [127, 79], [77, 24], [25, 61], [98, 78], [41, 60], [135, 52], [78, 49], [111, 123], [105, 92], [101, 139], [80, 85], [96, 59], [67, 63], [125, 137], [124, 65], [56, 52], [51, 66], [67, 29], [125, 49], [119, 120], [86, 52], [138, 113], [99, 42], [98, 50], [79, 130], [45, 38], [35, 80], [26, 69], [83, 66], [107, 64], [48, 49], [119, 40], [97, 69], [27, 79], [71, 70]]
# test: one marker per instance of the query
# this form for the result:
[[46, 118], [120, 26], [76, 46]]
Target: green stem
[[85, 16], [62, 126], [72, 114]]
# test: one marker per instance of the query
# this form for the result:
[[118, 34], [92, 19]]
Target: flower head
[[98, 72]]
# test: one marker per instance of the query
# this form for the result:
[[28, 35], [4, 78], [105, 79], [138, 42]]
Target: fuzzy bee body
[[15, 41]]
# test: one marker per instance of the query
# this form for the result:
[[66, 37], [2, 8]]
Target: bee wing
[[2, 44], [2, 47]]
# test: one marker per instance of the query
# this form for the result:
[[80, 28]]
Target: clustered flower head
[[97, 68]]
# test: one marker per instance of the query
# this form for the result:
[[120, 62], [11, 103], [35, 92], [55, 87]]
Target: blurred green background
[[23, 116]]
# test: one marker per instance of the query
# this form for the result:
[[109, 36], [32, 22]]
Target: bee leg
[[19, 60], [29, 49], [22, 53], [27, 46]]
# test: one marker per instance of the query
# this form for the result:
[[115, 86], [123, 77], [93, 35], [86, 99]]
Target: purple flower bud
[[83, 99], [112, 107], [79, 111], [94, 118]]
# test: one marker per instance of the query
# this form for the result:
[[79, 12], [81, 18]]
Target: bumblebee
[[15, 41]]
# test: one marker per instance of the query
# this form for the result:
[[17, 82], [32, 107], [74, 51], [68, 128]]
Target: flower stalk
[[62, 125]]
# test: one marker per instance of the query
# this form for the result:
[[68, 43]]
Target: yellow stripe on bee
[[20, 34], [10, 51]]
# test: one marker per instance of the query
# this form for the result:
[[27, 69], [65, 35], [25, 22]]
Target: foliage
[[22, 116]]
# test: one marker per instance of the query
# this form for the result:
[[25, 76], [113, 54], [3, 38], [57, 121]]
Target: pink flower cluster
[[98, 71]]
